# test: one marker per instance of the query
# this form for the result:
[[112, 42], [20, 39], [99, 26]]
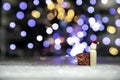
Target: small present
[[83, 59]]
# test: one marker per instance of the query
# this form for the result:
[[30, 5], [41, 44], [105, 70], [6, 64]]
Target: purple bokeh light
[[117, 41], [90, 9], [106, 40], [93, 37], [117, 22], [105, 19]]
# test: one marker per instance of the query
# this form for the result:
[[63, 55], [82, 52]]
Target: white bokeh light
[[104, 1], [12, 24], [39, 38], [49, 30], [57, 41], [55, 26]]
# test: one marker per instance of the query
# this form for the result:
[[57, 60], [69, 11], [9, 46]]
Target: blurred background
[[30, 28]]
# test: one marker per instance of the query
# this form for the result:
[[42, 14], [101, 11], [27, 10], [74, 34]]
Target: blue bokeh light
[[46, 44], [31, 22], [112, 11], [23, 5], [105, 19], [90, 9], [20, 15], [92, 2], [6, 6]]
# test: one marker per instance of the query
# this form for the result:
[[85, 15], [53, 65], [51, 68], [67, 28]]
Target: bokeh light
[[85, 27], [104, 1], [57, 46], [46, 43], [49, 30], [93, 37], [106, 40], [12, 24], [92, 2], [69, 29], [113, 51], [90, 9], [111, 29], [36, 14], [6, 6], [112, 11], [39, 38], [79, 2], [117, 22], [23, 33], [30, 45], [23, 5], [117, 41], [20, 15], [12, 46], [61, 26], [55, 26], [118, 10], [117, 1], [31, 23], [36, 2], [105, 19]]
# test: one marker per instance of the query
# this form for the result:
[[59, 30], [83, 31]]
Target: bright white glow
[[12, 46], [91, 20], [96, 26], [48, 1], [30, 45], [57, 41], [12, 24], [117, 1], [49, 30], [80, 34], [104, 1], [23, 33], [85, 44], [39, 38], [55, 26], [77, 48], [57, 47], [72, 40]]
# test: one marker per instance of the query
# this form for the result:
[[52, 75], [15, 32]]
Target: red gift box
[[83, 59]]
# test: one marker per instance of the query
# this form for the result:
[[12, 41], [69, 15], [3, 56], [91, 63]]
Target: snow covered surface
[[22, 70]]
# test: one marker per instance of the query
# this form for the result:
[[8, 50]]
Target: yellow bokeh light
[[36, 14], [68, 19], [60, 16], [60, 1], [50, 16], [113, 51], [118, 10], [111, 29], [51, 6], [61, 10], [71, 13]]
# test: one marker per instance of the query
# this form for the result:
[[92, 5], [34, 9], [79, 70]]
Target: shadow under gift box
[[83, 59]]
